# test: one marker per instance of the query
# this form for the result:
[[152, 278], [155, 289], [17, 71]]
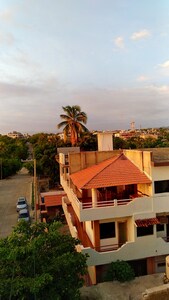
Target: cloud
[[165, 64], [143, 78], [7, 15], [144, 105], [140, 34], [162, 90], [29, 108], [6, 38], [37, 108], [163, 68], [119, 42]]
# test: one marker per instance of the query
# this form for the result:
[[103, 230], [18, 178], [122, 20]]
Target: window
[[160, 227], [143, 231], [161, 264], [107, 230], [161, 186]]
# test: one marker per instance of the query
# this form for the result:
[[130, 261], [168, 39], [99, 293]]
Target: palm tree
[[72, 123]]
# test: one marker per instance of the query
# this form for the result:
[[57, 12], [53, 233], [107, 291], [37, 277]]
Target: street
[[10, 190]]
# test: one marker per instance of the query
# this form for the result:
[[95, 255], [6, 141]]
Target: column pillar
[[94, 197]]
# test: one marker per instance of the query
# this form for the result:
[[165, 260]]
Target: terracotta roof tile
[[147, 222], [118, 170], [53, 200]]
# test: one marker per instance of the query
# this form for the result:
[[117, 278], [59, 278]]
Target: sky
[[109, 57]]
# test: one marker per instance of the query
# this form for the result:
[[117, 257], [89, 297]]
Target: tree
[[88, 142], [120, 270], [119, 143], [72, 123], [11, 153], [44, 146], [38, 262]]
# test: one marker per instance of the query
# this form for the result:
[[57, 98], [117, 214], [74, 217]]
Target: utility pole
[[34, 184], [35, 189], [1, 168]]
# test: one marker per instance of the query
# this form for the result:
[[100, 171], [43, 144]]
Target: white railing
[[100, 209], [114, 202], [73, 198], [77, 205]]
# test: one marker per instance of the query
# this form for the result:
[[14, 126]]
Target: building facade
[[117, 204]]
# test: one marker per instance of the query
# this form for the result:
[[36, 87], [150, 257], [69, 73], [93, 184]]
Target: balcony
[[78, 231], [128, 251], [88, 203], [138, 204], [88, 211]]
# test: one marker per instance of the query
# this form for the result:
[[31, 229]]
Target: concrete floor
[[132, 290]]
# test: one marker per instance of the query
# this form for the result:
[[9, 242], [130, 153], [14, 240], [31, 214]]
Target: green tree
[[119, 143], [135, 142], [120, 270], [73, 123], [88, 142], [38, 262], [44, 147], [11, 153]]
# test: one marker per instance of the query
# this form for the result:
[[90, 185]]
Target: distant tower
[[132, 125]]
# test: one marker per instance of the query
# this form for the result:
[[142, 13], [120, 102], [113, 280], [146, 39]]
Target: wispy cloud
[[6, 38], [143, 78], [162, 89], [142, 34], [7, 15], [165, 64], [119, 42]]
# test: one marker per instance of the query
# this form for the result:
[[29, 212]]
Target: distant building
[[147, 135], [15, 135]]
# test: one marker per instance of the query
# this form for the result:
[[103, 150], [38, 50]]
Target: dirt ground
[[122, 291]]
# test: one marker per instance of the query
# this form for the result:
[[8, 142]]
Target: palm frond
[[72, 123]]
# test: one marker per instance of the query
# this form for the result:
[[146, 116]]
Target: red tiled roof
[[53, 200], [118, 170], [146, 222]]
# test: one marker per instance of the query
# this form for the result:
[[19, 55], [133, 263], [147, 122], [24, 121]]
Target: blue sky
[[110, 57]]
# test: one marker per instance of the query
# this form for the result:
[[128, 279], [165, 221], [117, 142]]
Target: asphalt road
[[10, 190]]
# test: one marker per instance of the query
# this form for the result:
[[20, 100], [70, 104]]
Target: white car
[[24, 215], [21, 203]]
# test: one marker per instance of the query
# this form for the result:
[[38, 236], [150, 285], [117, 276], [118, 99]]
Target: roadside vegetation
[[44, 149], [39, 262], [11, 153]]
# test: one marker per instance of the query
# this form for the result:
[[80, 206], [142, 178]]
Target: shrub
[[121, 271]]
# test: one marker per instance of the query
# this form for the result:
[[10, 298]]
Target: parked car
[[21, 203], [24, 215]]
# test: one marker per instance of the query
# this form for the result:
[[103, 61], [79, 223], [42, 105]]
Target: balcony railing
[[114, 202], [107, 248]]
